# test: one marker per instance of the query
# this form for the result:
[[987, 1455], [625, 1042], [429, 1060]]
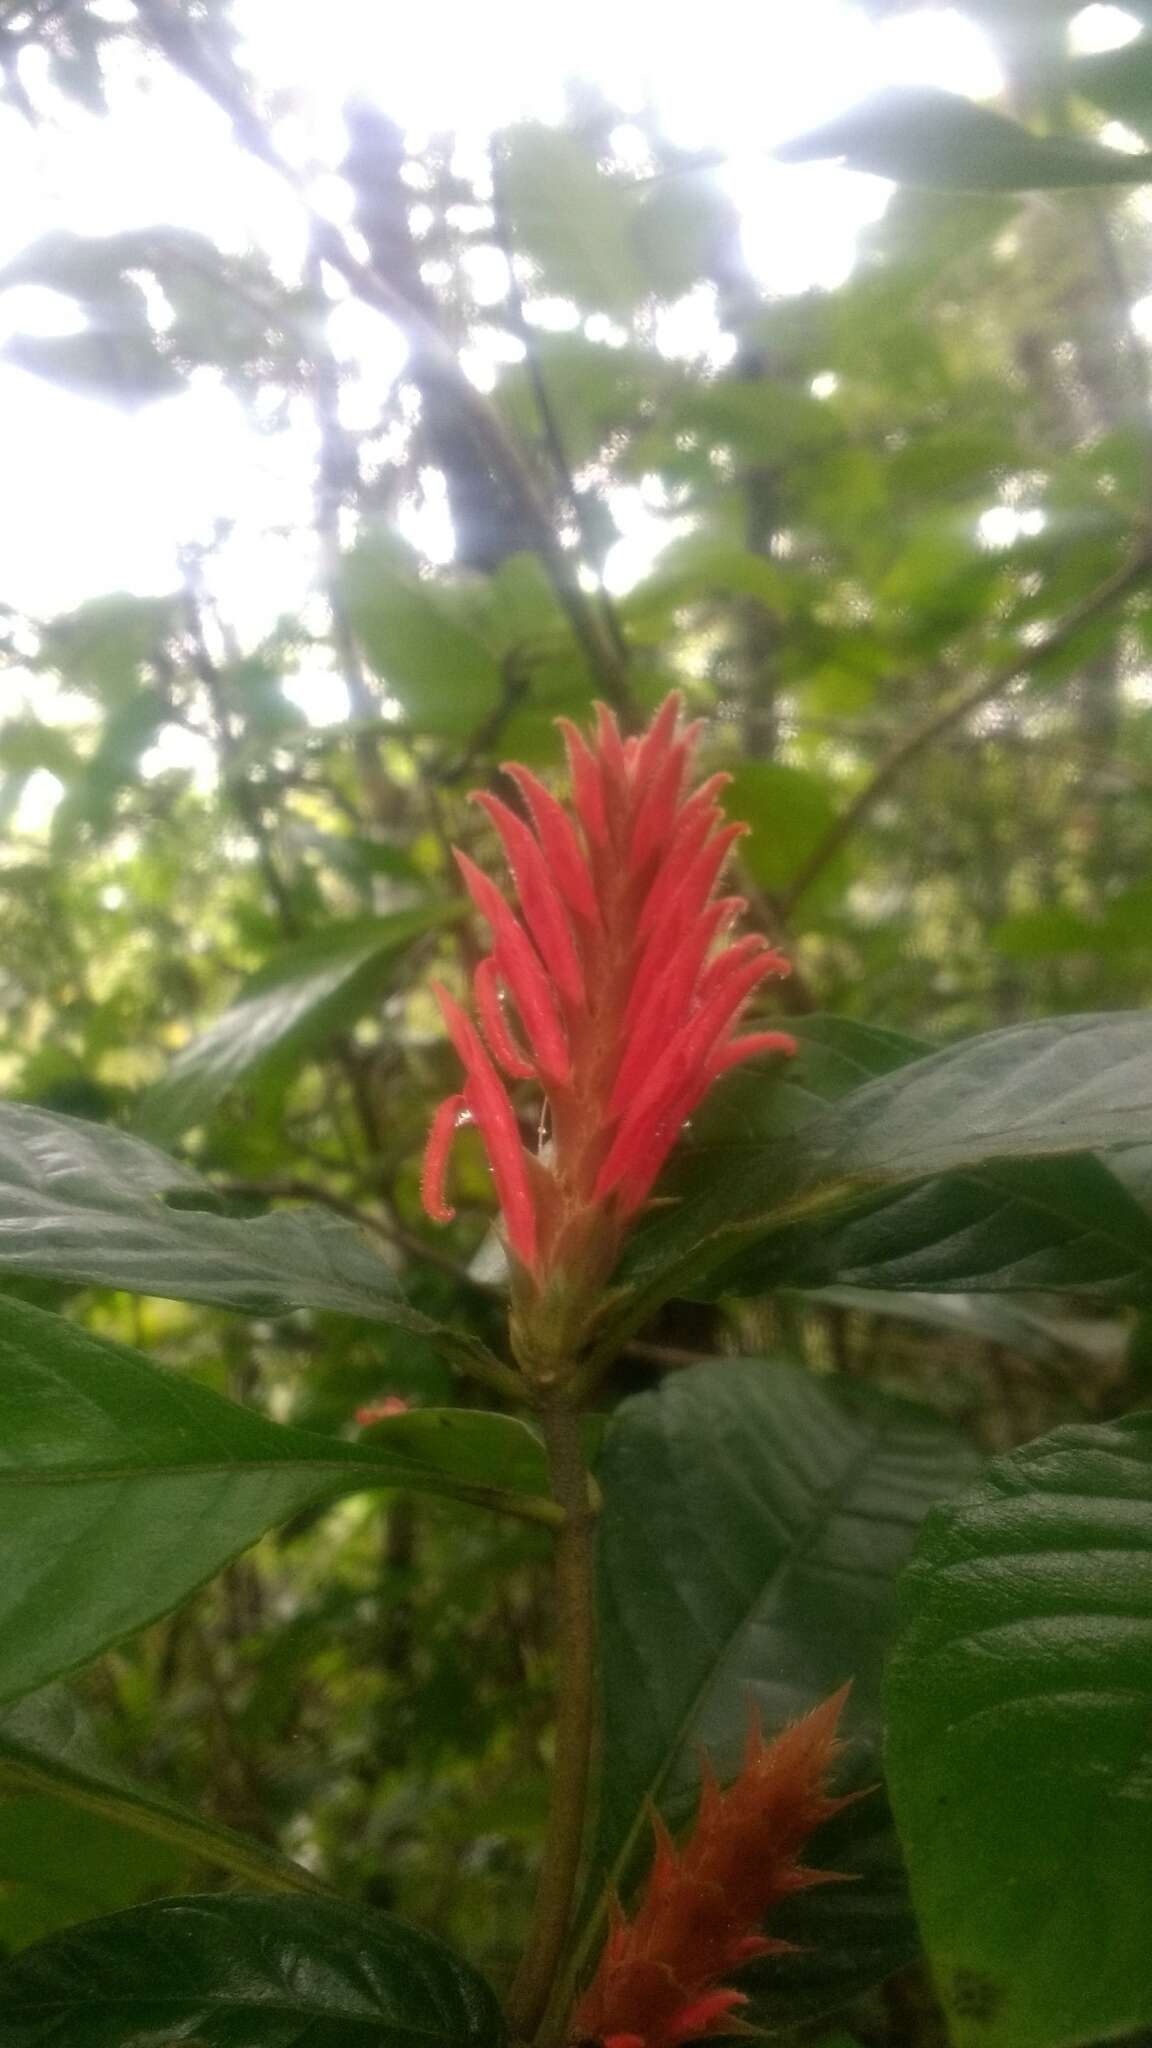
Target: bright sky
[[94, 498]]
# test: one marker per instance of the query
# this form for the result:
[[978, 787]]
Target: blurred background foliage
[[893, 542]]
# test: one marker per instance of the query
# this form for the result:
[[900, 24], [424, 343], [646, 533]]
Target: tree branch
[[179, 40], [549, 423], [1126, 578]]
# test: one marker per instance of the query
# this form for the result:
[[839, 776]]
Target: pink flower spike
[[435, 1169], [691, 831], [652, 825], [587, 791], [523, 975], [713, 920], [679, 1075], [501, 1044], [506, 1159], [705, 2015], [613, 986], [752, 947], [378, 1411], [748, 1048], [493, 1115], [610, 747], [652, 748], [543, 910], [696, 885], [665, 1005], [559, 841]]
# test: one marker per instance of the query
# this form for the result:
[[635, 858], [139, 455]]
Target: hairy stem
[[575, 1716]]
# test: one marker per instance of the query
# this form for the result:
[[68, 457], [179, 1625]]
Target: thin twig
[[549, 422], [245, 800], [1122, 580]]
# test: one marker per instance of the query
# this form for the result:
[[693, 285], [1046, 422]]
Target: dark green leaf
[[299, 998], [919, 135], [123, 1487], [81, 1202], [238, 1972], [1047, 1224], [1072, 1084], [753, 1522], [1019, 1752], [1119, 81], [1066, 1085], [49, 1754]]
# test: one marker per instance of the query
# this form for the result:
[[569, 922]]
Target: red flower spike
[[587, 786], [493, 1115], [378, 1411], [520, 967], [436, 1160], [543, 910], [658, 1981], [501, 1044], [626, 988], [559, 841]]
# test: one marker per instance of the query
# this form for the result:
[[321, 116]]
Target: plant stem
[[575, 1715]]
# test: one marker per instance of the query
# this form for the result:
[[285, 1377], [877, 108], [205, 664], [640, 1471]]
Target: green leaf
[[1068, 1085], [299, 998], [1047, 1224], [790, 811], [238, 1972], [1119, 81], [123, 1487], [1051, 1224], [84, 1203], [570, 217], [49, 1755], [1019, 1752], [682, 229], [227, 311], [919, 135], [699, 568], [59, 1865], [419, 637], [596, 392], [753, 1522], [89, 804], [105, 645], [1042, 934], [1065, 1085]]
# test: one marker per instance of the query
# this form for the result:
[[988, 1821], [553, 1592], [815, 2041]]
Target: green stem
[[575, 1717]]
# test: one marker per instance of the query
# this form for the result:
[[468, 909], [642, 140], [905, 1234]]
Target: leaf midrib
[[806, 1538]]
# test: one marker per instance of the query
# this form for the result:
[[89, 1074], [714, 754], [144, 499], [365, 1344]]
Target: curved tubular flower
[[625, 986], [701, 1912]]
